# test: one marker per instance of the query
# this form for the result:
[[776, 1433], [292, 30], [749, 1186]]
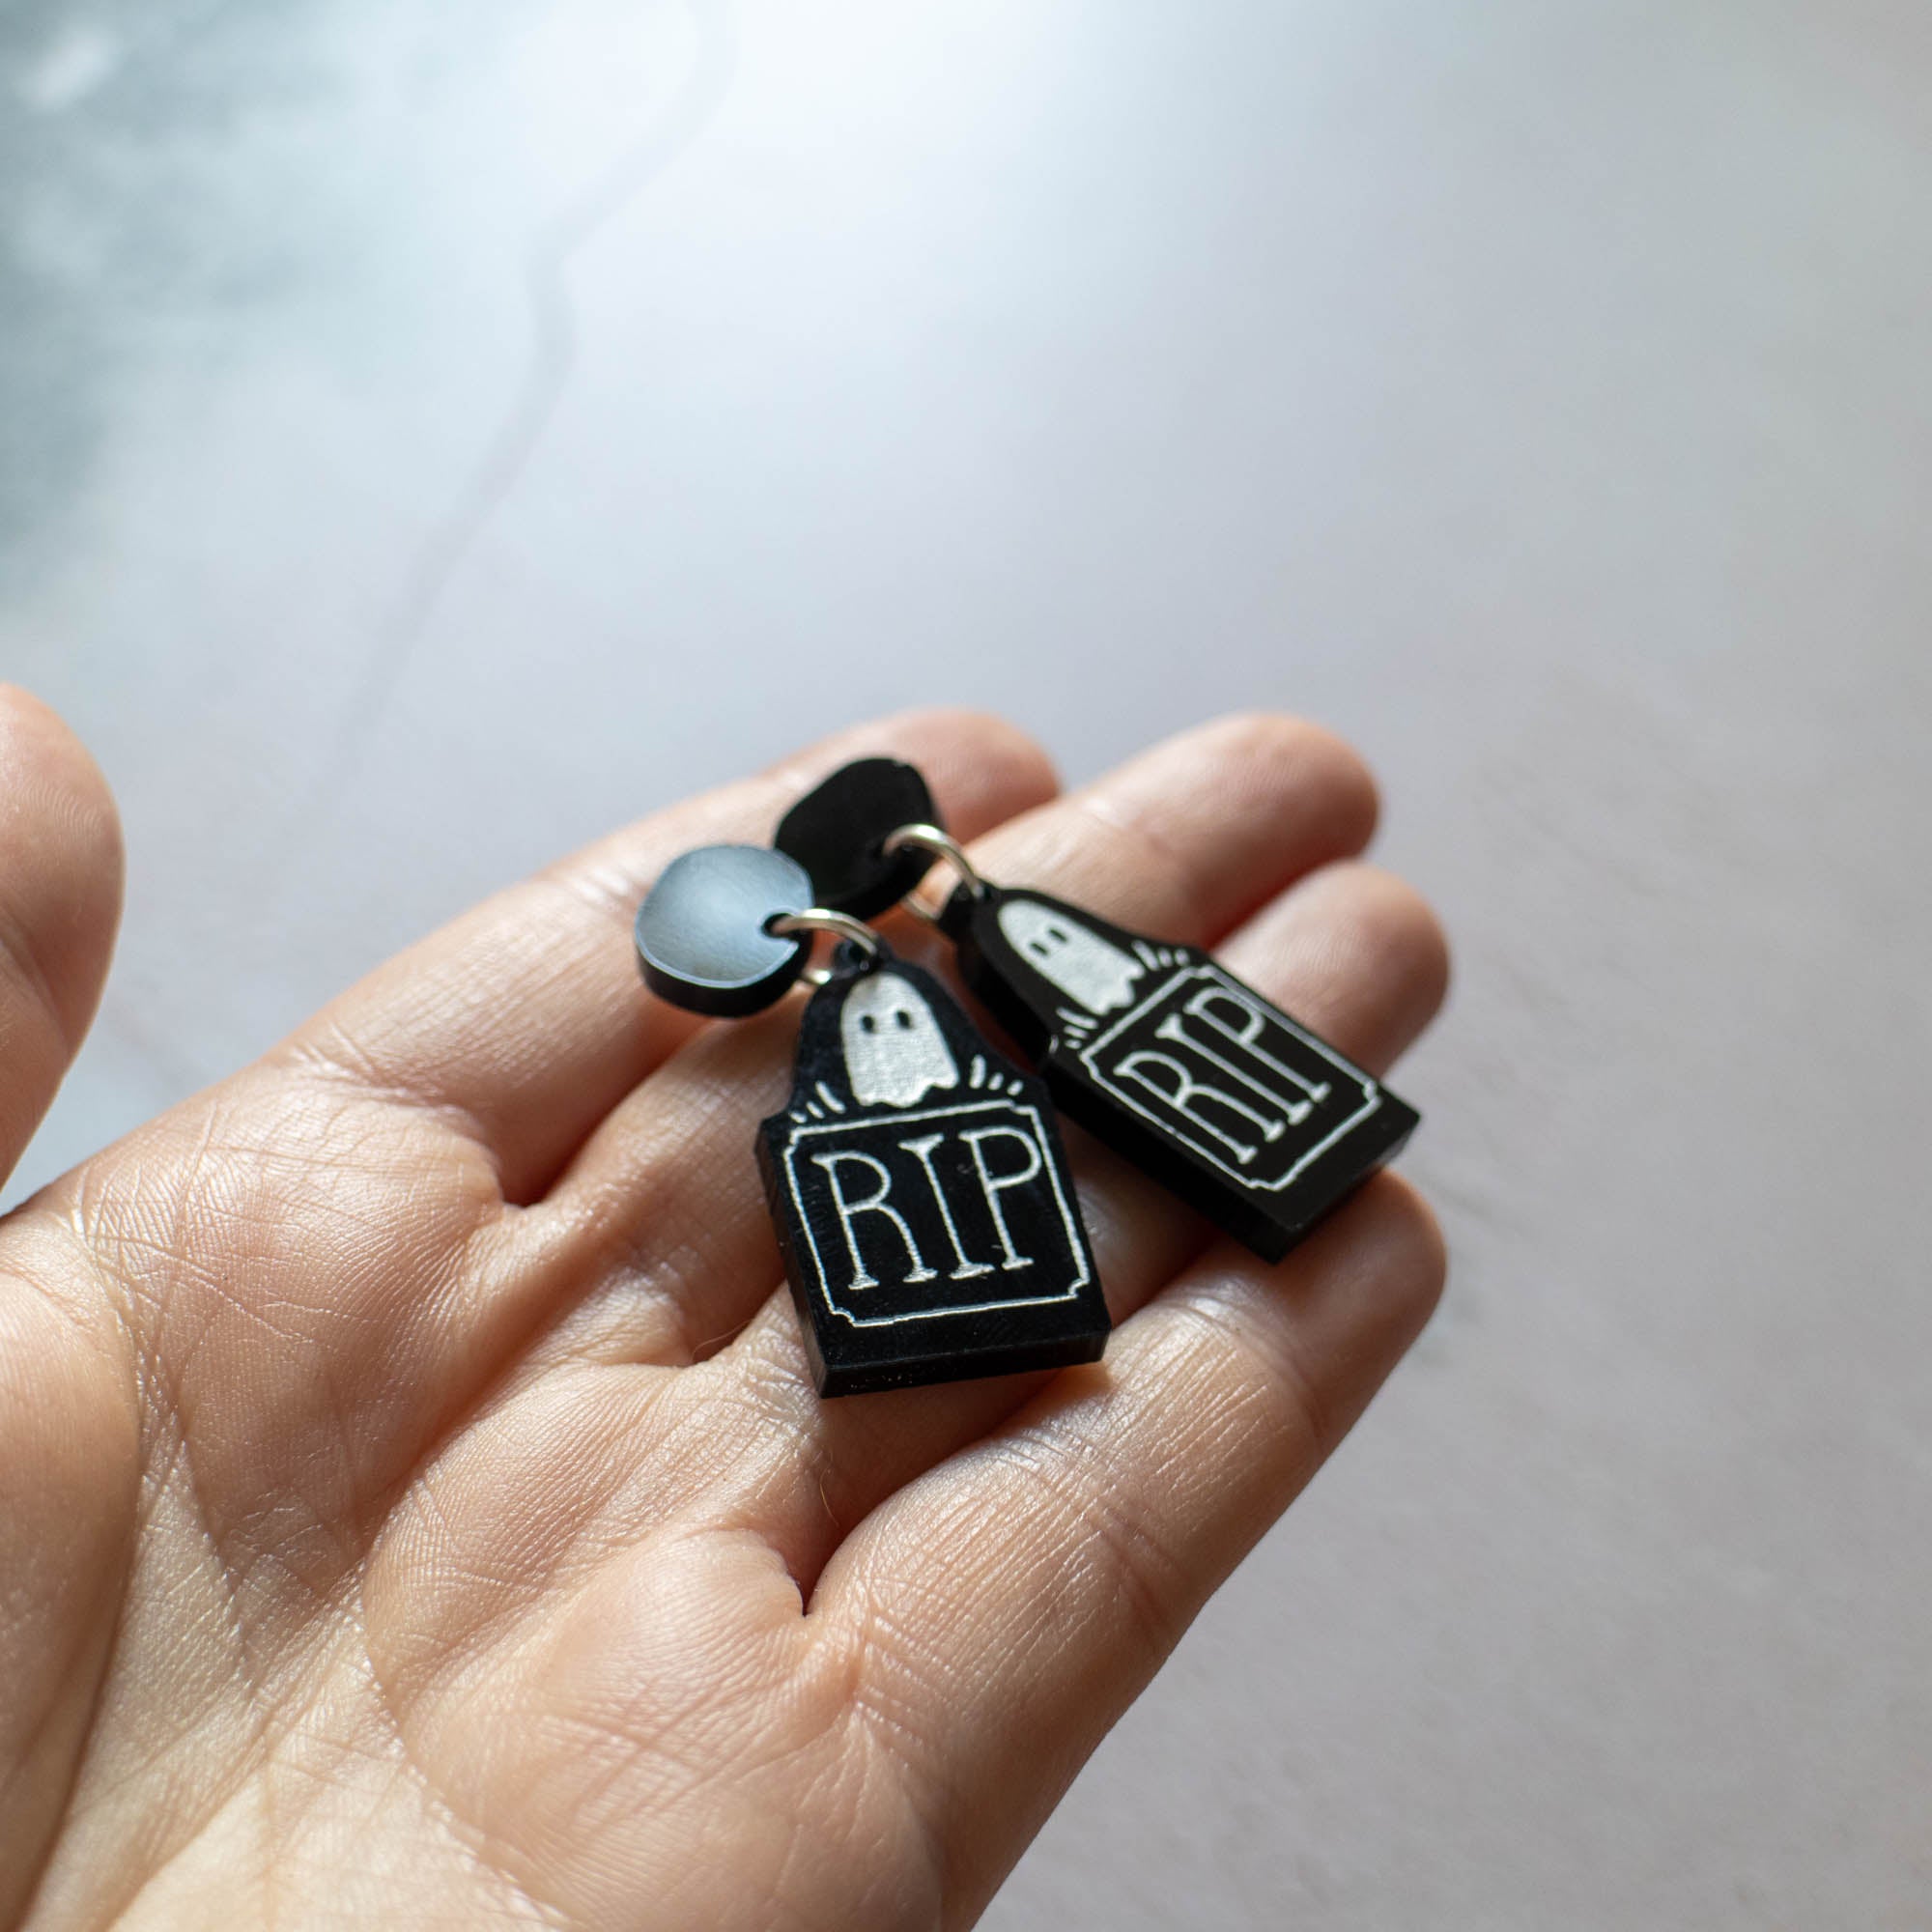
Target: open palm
[[414, 1505]]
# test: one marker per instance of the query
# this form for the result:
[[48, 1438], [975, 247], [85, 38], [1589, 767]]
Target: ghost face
[[894, 1052], [1088, 969]]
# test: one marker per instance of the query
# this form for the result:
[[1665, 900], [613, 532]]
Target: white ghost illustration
[[1087, 968], [894, 1052]]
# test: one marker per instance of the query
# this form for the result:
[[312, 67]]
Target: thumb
[[60, 902]]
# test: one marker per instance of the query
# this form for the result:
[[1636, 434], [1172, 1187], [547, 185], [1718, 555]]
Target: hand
[[414, 1507]]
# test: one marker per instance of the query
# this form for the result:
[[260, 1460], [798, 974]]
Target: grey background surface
[[432, 435]]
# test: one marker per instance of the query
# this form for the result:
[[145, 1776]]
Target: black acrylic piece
[[924, 1212], [837, 830], [1170, 1060], [701, 937]]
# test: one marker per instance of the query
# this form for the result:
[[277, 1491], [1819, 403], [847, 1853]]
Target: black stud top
[[837, 830]]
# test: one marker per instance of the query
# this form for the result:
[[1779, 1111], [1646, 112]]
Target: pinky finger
[[1008, 1606]]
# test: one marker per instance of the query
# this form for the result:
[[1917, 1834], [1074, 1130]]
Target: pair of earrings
[[924, 1205]]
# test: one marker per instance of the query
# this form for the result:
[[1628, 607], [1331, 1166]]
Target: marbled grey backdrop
[[431, 434]]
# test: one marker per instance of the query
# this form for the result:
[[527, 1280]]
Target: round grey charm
[[701, 937]]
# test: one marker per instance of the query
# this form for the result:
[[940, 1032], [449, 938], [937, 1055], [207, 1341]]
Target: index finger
[[524, 1019]]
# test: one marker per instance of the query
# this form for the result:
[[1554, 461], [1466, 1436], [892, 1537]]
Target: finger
[[525, 1022], [1357, 947], [1003, 1611], [663, 1212], [1190, 837], [67, 1429], [60, 902], [1357, 955]]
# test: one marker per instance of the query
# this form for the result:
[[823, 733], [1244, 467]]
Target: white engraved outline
[[1076, 1245], [1088, 1054]]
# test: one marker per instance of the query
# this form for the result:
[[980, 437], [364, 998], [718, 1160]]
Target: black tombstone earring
[[1155, 1048], [925, 1212]]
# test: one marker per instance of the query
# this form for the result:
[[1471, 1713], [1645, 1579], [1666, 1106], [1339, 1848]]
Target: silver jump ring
[[942, 845], [822, 919]]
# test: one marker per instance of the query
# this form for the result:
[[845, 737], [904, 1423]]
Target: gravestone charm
[[925, 1212], [1170, 1060]]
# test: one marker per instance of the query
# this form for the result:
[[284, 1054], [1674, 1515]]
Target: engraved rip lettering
[[933, 1210], [1230, 1077]]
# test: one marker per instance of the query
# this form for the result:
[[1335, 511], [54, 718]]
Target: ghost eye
[[903, 1020], [867, 1024], [1057, 933], [1041, 949]]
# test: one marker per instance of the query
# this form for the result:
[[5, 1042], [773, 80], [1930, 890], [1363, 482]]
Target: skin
[[413, 1506]]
